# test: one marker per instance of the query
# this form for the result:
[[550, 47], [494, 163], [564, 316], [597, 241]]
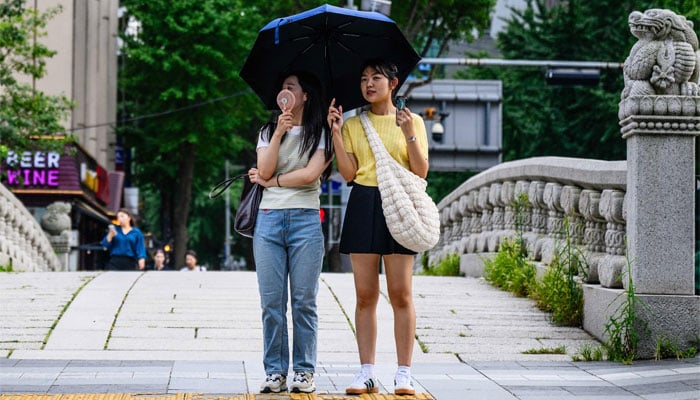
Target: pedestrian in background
[[365, 236], [191, 262], [125, 243], [293, 153], [159, 260]]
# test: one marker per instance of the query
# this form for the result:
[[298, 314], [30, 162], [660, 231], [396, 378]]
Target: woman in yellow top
[[365, 235]]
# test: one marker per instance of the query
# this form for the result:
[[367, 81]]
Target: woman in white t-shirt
[[293, 153], [191, 262]]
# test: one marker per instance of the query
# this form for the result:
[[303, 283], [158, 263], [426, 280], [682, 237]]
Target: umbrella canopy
[[332, 43]]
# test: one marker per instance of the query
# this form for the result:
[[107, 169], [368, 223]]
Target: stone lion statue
[[56, 219], [665, 59]]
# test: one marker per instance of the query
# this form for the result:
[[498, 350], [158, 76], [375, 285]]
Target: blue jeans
[[288, 244]]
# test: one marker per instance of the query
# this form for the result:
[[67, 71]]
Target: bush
[[509, 270], [448, 266], [560, 294]]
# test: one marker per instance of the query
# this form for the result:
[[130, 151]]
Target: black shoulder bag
[[247, 211]]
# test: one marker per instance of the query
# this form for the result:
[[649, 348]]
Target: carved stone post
[[539, 218], [555, 221], [612, 267], [569, 202], [507, 198], [486, 212], [660, 190], [56, 223], [659, 114], [497, 216], [594, 231], [464, 229], [475, 224]]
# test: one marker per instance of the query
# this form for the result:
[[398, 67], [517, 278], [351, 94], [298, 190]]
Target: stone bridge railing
[[23, 243], [610, 224], [590, 194]]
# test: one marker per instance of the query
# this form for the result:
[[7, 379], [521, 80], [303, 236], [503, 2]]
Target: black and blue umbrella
[[332, 43]]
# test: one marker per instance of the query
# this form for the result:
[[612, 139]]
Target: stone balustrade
[[23, 243], [587, 196]]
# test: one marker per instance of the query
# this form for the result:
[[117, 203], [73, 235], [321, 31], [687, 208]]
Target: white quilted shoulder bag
[[411, 215]]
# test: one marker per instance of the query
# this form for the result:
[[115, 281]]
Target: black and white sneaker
[[362, 384], [274, 383], [303, 382]]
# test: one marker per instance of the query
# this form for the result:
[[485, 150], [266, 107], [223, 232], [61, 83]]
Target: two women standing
[[293, 153]]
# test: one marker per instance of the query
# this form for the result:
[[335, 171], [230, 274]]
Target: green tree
[[185, 58], [564, 120], [432, 25], [189, 52], [26, 113]]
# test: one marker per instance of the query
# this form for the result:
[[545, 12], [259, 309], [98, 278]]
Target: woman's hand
[[254, 176], [405, 121], [285, 122], [335, 118]]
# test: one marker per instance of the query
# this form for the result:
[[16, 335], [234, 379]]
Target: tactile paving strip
[[195, 396]]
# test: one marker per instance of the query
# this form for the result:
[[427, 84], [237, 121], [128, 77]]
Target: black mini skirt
[[364, 226]]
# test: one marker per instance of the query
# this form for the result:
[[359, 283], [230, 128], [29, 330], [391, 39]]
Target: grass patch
[[590, 353], [423, 347], [666, 348], [547, 350]]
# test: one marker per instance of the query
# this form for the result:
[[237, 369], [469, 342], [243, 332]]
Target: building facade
[[84, 69]]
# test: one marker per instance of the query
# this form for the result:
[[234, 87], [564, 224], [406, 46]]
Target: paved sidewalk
[[172, 332]]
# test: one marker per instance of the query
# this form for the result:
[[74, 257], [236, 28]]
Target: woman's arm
[[299, 177], [418, 162], [347, 162], [267, 156]]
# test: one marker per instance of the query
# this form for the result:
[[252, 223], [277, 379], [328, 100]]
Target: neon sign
[[33, 168]]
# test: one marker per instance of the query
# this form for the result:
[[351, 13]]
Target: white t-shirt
[[295, 131], [197, 268], [288, 160]]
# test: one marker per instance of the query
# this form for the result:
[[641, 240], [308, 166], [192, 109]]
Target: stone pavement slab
[[172, 333]]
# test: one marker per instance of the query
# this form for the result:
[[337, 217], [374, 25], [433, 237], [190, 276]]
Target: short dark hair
[[386, 68], [191, 253]]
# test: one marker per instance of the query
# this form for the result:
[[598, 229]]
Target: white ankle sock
[[404, 370], [368, 370]]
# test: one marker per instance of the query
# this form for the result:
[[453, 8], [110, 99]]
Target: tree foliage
[[569, 121], [185, 58], [189, 52], [25, 112]]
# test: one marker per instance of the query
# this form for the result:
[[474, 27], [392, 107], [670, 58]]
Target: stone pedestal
[[661, 194], [666, 316]]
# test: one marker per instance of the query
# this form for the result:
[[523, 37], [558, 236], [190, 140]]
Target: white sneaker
[[274, 383], [303, 382], [403, 384], [362, 384]]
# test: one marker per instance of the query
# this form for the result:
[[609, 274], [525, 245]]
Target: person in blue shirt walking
[[126, 244]]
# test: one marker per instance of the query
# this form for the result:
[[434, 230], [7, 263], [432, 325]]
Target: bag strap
[[381, 154], [373, 137], [221, 187]]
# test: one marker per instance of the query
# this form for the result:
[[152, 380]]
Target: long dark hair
[[313, 121]]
